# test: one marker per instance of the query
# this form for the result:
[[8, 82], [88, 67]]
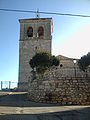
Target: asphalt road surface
[[16, 106]]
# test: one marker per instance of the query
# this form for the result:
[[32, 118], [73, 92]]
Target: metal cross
[[37, 14]]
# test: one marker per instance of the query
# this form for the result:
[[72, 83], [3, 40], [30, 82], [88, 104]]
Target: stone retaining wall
[[63, 90]]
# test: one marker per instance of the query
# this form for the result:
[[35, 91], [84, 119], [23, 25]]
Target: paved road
[[15, 106]]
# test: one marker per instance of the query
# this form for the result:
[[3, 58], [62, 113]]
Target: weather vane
[[37, 14]]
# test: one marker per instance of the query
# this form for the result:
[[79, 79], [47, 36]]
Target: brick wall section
[[63, 90]]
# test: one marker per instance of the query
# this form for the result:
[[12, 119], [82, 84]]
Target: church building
[[65, 84], [36, 36]]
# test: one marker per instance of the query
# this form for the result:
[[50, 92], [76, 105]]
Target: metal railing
[[8, 85]]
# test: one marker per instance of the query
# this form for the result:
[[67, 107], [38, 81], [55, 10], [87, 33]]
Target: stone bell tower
[[35, 36]]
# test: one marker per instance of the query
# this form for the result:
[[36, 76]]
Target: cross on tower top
[[37, 14]]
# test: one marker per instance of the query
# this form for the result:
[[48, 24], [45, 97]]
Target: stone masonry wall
[[29, 46], [63, 90]]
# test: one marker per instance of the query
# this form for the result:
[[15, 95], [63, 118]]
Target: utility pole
[[9, 84]]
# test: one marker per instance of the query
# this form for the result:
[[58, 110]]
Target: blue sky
[[70, 34]]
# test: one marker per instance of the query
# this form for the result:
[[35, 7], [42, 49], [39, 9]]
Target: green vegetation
[[84, 62], [42, 62]]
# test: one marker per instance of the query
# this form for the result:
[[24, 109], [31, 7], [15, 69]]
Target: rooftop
[[30, 19]]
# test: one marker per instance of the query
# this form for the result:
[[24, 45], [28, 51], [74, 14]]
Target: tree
[[43, 61], [84, 62]]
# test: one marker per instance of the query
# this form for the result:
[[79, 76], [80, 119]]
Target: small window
[[40, 32], [30, 32]]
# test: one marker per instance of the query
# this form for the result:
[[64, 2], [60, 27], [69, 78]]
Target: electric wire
[[42, 12]]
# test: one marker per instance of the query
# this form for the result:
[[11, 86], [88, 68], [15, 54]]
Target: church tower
[[35, 36]]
